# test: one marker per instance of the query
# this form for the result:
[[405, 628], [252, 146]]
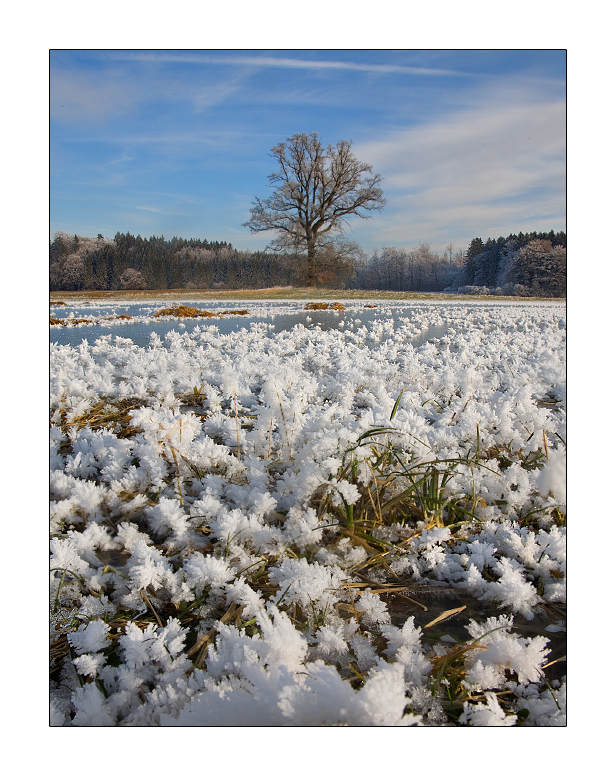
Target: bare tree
[[318, 189]]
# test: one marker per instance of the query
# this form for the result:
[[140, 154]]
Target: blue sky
[[176, 142]]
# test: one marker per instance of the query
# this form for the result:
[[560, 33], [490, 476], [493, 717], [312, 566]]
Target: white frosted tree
[[132, 280]]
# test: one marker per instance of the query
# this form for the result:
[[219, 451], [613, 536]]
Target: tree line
[[526, 264], [130, 262]]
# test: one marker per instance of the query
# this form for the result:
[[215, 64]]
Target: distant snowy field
[[199, 576]]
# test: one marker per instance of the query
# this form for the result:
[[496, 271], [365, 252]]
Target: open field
[[311, 526], [288, 293]]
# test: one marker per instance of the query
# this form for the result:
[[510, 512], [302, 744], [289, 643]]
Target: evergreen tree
[[470, 265]]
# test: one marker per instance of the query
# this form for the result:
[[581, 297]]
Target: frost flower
[[147, 566], [263, 681], [65, 557], [310, 585], [344, 492], [90, 638], [404, 645], [553, 477], [91, 707], [89, 665], [487, 714], [137, 644], [503, 652], [331, 641], [207, 571], [167, 518], [512, 589], [374, 611]]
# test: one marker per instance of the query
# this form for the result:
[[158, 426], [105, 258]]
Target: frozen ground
[[222, 553]]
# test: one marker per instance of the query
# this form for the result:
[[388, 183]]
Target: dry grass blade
[[386, 589], [237, 426], [394, 590], [561, 659], [202, 643], [58, 650], [444, 616], [148, 603], [408, 599], [177, 470]]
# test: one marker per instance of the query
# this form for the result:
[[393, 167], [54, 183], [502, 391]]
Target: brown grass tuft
[[183, 311], [324, 306], [111, 414], [64, 321]]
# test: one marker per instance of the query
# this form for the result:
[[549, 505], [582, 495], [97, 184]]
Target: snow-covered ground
[[205, 566]]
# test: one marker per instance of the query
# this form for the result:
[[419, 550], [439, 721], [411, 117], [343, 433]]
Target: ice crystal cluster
[[207, 567]]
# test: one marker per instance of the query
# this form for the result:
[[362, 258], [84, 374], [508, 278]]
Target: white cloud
[[280, 62], [81, 96], [489, 167], [504, 150], [87, 96]]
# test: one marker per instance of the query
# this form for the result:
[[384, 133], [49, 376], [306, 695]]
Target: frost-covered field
[[264, 527]]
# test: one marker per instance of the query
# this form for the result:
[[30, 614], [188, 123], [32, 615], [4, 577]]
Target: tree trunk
[[311, 264]]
